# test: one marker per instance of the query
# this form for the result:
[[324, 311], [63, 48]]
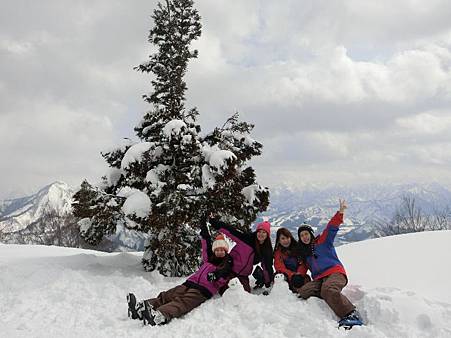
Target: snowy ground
[[400, 284]]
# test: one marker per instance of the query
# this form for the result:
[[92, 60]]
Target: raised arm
[[329, 233], [233, 233], [205, 240]]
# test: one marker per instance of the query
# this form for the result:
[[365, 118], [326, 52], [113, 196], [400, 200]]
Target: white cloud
[[356, 90], [16, 47], [435, 154], [429, 123], [51, 142]]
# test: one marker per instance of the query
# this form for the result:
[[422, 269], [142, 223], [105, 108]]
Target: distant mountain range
[[369, 206], [23, 216], [18, 213]]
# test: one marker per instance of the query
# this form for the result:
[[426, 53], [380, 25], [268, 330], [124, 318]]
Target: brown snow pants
[[177, 301], [329, 288]]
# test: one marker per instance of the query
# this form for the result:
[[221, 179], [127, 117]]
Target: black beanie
[[306, 250], [306, 227]]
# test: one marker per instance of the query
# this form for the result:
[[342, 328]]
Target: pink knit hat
[[265, 225], [220, 242]]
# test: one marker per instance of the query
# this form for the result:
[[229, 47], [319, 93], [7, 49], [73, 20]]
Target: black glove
[[211, 277], [297, 281], [204, 233], [214, 222]]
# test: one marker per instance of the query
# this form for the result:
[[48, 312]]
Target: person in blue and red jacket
[[211, 278], [287, 260], [328, 273]]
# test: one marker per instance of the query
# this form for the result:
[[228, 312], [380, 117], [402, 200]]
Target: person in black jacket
[[251, 248]]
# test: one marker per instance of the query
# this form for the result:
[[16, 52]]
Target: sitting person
[[212, 276], [328, 273], [287, 260], [251, 248]]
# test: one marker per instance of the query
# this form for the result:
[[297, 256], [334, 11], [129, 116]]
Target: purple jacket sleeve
[[231, 232], [204, 250]]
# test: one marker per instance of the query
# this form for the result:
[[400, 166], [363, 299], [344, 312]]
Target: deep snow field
[[400, 285]]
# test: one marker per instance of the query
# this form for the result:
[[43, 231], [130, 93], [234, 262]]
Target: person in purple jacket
[[251, 248], [212, 277]]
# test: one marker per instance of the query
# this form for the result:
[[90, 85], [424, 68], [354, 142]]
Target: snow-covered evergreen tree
[[98, 211], [232, 191], [170, 178]]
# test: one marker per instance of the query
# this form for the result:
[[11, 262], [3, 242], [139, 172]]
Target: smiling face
[[220, 252], [261, 235], [305, 237], [284, 241]]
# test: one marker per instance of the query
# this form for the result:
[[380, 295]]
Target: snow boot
[[152, 317], [135, 308], [350, 320], [132, 307]]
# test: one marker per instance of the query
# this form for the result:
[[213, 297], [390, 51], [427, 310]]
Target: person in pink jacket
[[212, 277]]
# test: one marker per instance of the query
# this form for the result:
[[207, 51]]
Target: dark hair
[[292, 249], [306, 250], [218, 261], [265, 248], [264, 253], [306, 227]]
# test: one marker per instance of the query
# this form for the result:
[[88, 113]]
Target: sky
[[340, 92]]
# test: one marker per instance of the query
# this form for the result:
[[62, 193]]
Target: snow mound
[[137, 203], [218, 159], [249, 193], [135, 154], [173, 127], [62, 292]]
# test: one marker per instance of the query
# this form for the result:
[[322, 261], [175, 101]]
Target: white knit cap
[[220, 242]]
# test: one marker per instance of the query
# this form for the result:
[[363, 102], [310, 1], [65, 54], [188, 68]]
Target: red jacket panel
[[283, 261]]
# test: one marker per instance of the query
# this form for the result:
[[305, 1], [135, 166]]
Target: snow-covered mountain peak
[[19, 216], [369, 205], [16, 214], [58, 196]]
